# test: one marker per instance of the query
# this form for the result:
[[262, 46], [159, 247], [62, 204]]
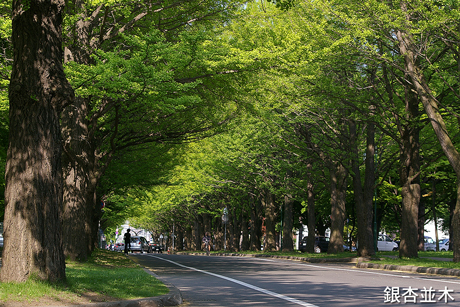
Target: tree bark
[[311, 224], [363, 198], [256, 225], [270, 220], [409, 157], [338, 194], [410, 178], [288, 222], [33, 195], [245, 243]]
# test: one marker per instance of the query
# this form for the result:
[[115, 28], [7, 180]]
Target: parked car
[[155, 247], [429, 244], [346, 248], [139, 243], [1, 240], [321, 244], [385, 244], [119, 247], [444, 245]]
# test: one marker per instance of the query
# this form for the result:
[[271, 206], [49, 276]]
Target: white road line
[[370, 272], [379, 273], [286, 298], [386, 274]]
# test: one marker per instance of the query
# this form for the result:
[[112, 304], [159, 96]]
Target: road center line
[[265, 291]]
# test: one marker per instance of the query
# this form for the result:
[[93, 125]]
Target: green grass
[[392, 258], [106, 273]]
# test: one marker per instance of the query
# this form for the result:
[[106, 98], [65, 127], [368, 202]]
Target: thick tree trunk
[[408, 49], [270, 221], [369, 188], [78, 193], [80, 223], [338, 194], [33, 194], [363, 198], [410, 178]]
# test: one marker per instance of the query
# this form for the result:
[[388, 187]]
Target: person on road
[[207, 243], [127, 241]]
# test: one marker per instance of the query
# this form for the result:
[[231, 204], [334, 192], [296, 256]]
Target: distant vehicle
[[429, 244], [139, 243], [1, 241], [119, 247], [444, 245], [386, 244], [346, 248], [155, 247], [321, 244]]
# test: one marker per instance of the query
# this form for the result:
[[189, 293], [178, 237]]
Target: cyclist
[[207, 243]]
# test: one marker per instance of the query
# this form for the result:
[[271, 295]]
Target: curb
[[409, 268]]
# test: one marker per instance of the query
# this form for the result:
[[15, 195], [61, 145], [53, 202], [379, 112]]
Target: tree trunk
[[78, 190], [80, 223], [421, 226], [288, 222], [270, 221], [244, 230], [338, 194], [33, 194], [311, 224], [410, 178], [256, 225], [408, 49], [179, 241], [369, 188], [363, 198]]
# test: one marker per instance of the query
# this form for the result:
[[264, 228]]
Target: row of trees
[[132, 78], [343, 108], [171, 111]]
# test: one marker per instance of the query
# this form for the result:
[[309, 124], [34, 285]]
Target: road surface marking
[[265, 291]]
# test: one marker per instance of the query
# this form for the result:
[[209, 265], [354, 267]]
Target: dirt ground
[[68, 300]]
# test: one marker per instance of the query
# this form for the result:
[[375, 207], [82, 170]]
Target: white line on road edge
[[384, 274], [286, 298]]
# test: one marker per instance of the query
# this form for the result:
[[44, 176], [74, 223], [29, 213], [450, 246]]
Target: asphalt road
[[241, 281]]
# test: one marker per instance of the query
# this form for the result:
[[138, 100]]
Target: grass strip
[[425, 259], [107, 275]]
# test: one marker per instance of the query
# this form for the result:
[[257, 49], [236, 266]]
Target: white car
[[386, 244], [429, 244], [444, 245]]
